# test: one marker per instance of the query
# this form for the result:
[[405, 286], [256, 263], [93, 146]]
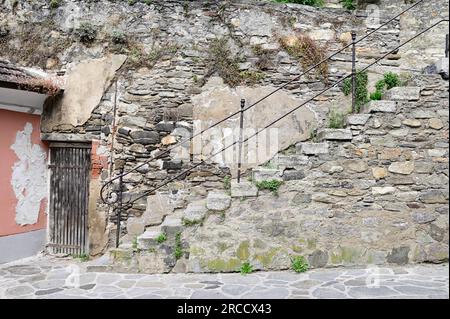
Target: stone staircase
[[158, 241]]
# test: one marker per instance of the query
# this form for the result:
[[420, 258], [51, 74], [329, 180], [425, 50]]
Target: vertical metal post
[[447, 44], [241, 128], [119, 209], [353, 72]]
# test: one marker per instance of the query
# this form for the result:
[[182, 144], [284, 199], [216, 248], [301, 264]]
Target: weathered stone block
[[265, 174], [165, 126], [423, 217], [291, 161], [195, 212], [412, 123], [358, 119], [434, 197], [335, 135], [291, 175], [243, 189], [172, 225], [381, 107], [383, 190], [379, 172], [435, 123], [135, 226], [403, 93], [218, 201], [403, 168], [313, 148], [398, 255], [145, 137], [149, 238]]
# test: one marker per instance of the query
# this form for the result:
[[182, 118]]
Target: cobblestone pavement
[[49, 278]]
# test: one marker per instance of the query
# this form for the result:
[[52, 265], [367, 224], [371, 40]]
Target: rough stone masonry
[[373, 192]]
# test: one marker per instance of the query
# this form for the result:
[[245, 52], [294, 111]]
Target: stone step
[[403, 93], [380, 107], [195, 212], [309, 148], [330, 134], [358, 119], [218, 201], [172, 225], [149, 238], [260, 174], [243, 189]]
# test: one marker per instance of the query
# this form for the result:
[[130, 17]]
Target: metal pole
[[119, 209], [353, 72], [241, 128], [446, 45]]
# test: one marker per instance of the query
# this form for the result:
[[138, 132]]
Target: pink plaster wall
[[10, 124]]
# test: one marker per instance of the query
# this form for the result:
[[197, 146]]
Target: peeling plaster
[[29, 177]]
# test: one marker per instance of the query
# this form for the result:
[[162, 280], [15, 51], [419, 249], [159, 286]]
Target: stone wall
[[172, 54]]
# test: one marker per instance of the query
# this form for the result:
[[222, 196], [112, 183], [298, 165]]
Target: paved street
[[49, 278]]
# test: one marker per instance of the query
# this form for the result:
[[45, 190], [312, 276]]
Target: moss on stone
[[222, 265], [243, 252], [346, 255], [197, 251], [266, 258]]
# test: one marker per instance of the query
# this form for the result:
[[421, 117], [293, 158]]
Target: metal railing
[[119, 197]]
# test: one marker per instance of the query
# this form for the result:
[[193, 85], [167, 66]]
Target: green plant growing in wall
[[86, 32], [348, 4], [391, 80], [178, 252], [54, 4], [336, 119], [118, 37], [308, 52], [362, 93], [271, 185], [81, 257], [221, 61], [227, 182], [246, 268], [134, 243], [299, 264], [161, 238]]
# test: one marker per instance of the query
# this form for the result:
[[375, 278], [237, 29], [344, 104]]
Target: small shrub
[[336, 119], [252, 77], [81, 257], [118, 37], [86, 32], [362, 93], [348, 4], [314, 3], [227, 182], [246, 268], [134, 243], [299, 264], [178, 252], [376, 96], [161, 238], [309, 53], [54, 4], [223, 63], [391, 80], [271, 185]]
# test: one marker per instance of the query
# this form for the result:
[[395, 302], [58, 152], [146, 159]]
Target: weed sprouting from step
[[271, 185], [336, 119], [362, 93], [389, 81], [227, 182], [299, 264], [161, 238], [81, 257], [246, 268], [187, 222], [178, 252], [134, 243]]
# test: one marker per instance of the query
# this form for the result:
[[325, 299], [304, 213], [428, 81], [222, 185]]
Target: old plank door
[[70, 165]]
